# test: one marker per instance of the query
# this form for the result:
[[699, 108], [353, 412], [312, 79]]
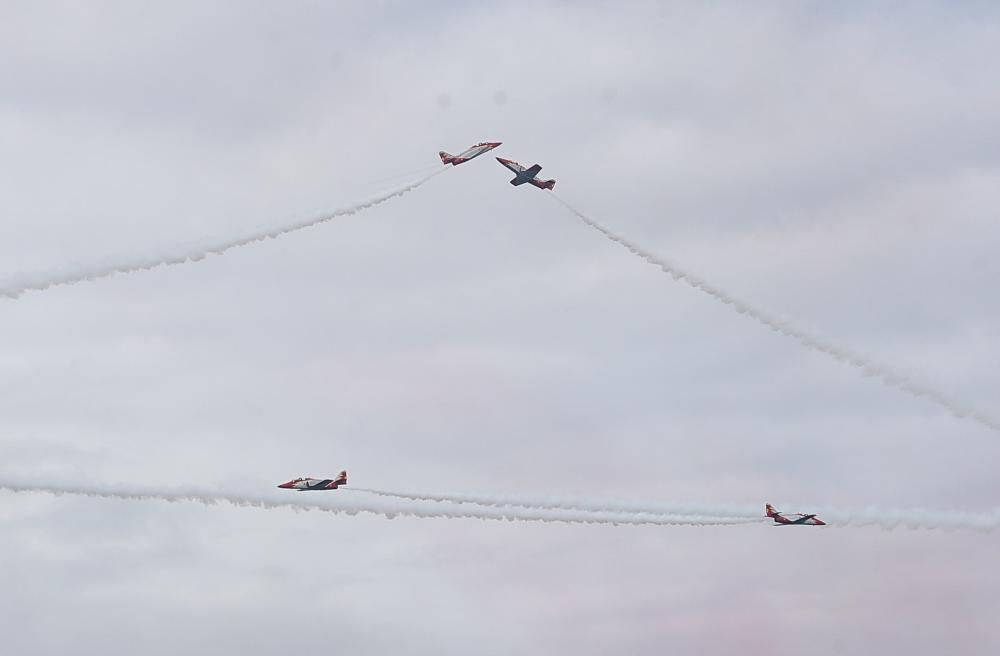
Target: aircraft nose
[[286, 485]]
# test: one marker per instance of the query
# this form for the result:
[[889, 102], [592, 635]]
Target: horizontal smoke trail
[[183, 254], [883, 518], [887, 376], [585, 505], [340, 504]]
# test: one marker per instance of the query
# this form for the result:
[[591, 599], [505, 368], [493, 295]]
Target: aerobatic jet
[[792, 519], [522, 174], [316, 484], [470, 153]]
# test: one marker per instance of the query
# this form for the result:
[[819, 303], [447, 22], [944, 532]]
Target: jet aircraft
[[522, 174], [470, 153], [792, 519], [316, 484]]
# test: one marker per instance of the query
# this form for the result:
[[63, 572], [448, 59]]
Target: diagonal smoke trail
[[341, 504], [883, 518], [192, 253], [743, 511], [865, 364]]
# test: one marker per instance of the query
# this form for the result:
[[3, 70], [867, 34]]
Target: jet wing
[[526, 174], [315, 484], [804, 520]]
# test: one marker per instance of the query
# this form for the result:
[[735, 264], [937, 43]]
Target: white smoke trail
[[743, 511], [532, 511], [334, 502], [189, 253], [885, 375], [883, 518]]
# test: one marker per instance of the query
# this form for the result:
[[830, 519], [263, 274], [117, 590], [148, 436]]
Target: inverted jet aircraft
[[316, 484], [522, 174], [470, 153], [792, 519]]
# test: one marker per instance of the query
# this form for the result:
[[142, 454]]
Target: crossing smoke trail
[[884, 374], [181, 255], [532, 511], [343, 505], [883, 518]]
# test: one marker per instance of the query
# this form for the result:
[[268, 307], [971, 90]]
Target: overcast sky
[[837, 164]]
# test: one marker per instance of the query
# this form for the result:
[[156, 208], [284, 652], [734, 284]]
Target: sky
[[835, 164]]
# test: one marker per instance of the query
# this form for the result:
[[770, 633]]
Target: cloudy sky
[[837, 165]]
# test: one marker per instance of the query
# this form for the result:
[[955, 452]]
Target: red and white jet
[[792, 519], [470, 153], [522, 174], [316, 484]]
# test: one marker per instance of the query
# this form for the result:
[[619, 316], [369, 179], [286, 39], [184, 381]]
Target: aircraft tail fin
[[769, 510], [341, 478], [446, 158]]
